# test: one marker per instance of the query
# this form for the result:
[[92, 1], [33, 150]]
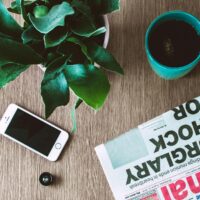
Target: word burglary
[[169, 139]]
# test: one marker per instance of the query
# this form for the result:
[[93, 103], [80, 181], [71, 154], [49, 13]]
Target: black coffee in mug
[[174, 43]]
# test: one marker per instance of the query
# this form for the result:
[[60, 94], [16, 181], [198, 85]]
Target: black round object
[[46, 178]]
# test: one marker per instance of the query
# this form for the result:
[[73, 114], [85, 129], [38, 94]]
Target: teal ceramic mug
[[164, 71]]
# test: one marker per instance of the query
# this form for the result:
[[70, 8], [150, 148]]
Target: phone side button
[[58, 146]]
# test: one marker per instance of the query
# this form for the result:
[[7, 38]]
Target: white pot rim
[[107, 34]]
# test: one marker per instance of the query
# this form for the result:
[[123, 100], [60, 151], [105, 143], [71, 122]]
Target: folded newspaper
[[158, 160]]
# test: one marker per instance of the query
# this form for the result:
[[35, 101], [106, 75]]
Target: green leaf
[[82, 8], [51, 56], [56, 65], [82, 46], [72, 51], [13, 51], [102, 57], [8, 25], [55, 92], [55, 18], [10, 71], [104, 6], [99, 31], [83, 26], [87, 22], [2, 35], [54, 87], [55, 37], [30, 34], [15, 8], [2, 62], [40, 11], [78, 103], [89, 83], [73, 114], [21, 5]]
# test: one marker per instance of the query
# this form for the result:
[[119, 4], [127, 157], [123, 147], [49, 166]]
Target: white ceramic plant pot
[[107, 34], [105, 42]]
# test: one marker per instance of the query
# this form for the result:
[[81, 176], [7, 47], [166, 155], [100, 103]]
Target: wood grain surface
[[134, 98]]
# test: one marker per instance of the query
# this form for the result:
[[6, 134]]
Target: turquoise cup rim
[[153, 23]]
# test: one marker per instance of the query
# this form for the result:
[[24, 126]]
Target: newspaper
[[158, 160]]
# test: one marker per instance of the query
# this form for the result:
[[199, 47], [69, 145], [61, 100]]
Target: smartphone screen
[[32, 132]]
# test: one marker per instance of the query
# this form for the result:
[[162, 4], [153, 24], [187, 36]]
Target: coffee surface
[[174, 43]]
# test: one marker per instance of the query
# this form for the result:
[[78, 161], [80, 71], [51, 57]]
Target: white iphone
[[33, 132]]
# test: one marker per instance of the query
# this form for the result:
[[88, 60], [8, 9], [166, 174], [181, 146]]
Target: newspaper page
[[158, 160]]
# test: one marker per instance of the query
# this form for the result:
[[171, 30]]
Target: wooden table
[[134, 98]]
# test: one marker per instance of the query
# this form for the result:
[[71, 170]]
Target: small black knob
[[46, 178]]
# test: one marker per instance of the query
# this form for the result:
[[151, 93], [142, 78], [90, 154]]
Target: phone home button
[[58, 146]]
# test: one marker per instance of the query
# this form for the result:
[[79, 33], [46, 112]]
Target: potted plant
[[66, 37]]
